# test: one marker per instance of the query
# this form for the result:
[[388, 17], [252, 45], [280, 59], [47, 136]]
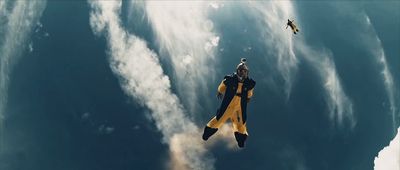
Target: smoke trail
[[185, 34], [379, 53], [17, 28], [142, 78], [274, 15]]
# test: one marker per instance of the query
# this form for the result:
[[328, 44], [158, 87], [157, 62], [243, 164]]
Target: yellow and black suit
[[292, 26], [233, 106]]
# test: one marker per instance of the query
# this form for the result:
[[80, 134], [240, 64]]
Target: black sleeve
[[227, 79]]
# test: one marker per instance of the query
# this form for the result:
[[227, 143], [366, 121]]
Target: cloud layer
[[142, 78], [378, 52], [15, 30], [185, 34], [273, 16], [281, 44], [389, 157], [340, 106]]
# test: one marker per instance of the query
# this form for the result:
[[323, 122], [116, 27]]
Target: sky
[[131, 84]]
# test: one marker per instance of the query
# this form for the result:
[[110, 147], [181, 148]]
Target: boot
[[208, 132], [240, 138]]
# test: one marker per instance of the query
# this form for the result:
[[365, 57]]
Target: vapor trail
[[142, 78]]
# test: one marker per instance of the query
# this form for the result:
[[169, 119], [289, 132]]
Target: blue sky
[[131, 84]]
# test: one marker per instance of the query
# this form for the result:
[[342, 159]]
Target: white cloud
[[375, 45], [273, 16], [3, 10], [136, 127], [17, 27], [226, 134], [185, 149], [339, 104], [142, 78], [281, 44], [30, 47], [292, 159], [104, 129], [39, 26], [216, 5], [183, 29], [366, 37], [85, 116], [389, 157]]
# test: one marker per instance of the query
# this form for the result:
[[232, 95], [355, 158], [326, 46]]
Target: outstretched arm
[[221, 89], [249, 94]]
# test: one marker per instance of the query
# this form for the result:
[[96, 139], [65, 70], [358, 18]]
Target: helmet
[[242, 65], [239, 69]]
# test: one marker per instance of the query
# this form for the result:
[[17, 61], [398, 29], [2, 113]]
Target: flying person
[[291, 24], [235, 91]]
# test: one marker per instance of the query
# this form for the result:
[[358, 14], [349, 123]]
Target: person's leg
[[214, 124], [240, 139], [240, 130]]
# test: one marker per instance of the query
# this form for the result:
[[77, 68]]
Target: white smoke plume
[[142, 78], [226, 135], [15, 30], [186, 35]]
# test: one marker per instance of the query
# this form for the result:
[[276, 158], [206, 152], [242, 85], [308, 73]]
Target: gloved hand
[[220, 96]]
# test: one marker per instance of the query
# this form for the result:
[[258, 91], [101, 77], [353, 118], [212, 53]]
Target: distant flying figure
[[235, 91], [291, 24]]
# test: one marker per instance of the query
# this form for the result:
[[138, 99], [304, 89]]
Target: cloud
[[85, 116], [185, 34], [30, 46], [389, 157], [225, 134], [142, 78], [366, 37], [216, 5], [340, 106], [185, 151], [292, 159], [273, 16], [3, 11], [375, 45], [104, 129], [15, 33]]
